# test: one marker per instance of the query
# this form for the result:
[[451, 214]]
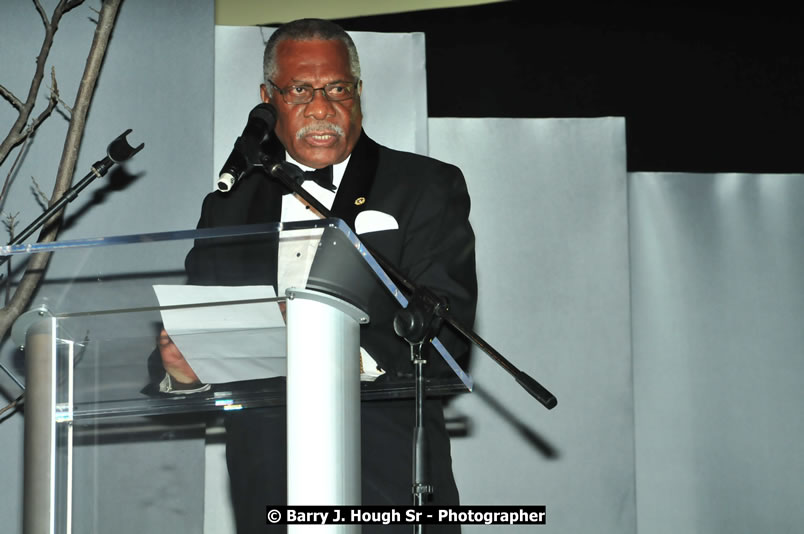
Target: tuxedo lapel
[[353, 192]]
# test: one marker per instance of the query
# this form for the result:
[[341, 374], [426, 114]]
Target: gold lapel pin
[[359, 201]]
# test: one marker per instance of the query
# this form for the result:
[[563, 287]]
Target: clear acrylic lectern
[[112, 445]]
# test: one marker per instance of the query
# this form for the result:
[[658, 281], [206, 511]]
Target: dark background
[[702, 90]]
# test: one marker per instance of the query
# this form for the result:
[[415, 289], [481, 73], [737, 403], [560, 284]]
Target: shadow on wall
[[118, 179], [460, 425]]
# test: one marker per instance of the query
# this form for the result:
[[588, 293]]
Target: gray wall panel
[[718, 300], [157, 79], [549, 210]]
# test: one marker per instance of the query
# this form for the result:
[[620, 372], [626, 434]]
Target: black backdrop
[[702, 90]]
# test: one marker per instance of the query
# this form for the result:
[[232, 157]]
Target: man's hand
[[173, 361]]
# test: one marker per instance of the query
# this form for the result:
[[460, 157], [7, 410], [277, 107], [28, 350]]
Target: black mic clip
[[284, 169], [118, 151], [422, 318]]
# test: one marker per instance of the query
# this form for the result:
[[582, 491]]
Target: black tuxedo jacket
[[433, 246]]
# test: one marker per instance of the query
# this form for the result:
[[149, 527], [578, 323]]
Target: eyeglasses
[[303, 94]]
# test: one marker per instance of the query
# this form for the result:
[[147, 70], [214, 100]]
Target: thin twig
[[52, 100], [8, 95], [42, 13], [10, 222], [51, 105], [7, 181], [40, 195], [54, 91]]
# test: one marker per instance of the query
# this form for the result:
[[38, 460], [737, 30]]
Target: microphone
[[246, 151]]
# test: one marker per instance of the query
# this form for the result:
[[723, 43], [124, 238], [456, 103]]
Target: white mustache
[[325, 127]]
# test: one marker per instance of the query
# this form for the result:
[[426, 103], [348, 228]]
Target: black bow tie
[[322, 177]]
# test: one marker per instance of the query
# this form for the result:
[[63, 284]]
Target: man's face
[[321, 132]]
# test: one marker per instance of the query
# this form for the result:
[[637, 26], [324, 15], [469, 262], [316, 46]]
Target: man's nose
[[319, 107]]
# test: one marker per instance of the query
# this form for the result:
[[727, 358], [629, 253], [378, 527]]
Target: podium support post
[[46, 494], [323, 402]]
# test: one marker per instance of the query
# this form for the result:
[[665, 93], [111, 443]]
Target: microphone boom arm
[[291, 176], [118, 150]]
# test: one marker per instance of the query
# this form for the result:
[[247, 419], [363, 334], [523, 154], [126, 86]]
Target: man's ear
[[359, 87], [265, 94]]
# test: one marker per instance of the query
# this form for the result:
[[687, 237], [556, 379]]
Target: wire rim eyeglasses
[[304, 94]]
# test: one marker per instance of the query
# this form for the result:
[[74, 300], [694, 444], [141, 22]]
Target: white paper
[[226, 342]]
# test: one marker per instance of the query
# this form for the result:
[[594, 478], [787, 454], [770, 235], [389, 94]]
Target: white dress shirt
[[297, 248]]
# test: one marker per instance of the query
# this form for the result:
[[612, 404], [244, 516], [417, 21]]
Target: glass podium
[[113, 444]]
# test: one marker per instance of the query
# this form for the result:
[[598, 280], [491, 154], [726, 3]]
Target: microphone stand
[[419, 322], [118, 151]]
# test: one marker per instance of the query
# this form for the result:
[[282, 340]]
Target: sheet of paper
[[228, 341]]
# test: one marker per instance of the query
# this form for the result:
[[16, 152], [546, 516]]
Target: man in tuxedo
[[312, 78]]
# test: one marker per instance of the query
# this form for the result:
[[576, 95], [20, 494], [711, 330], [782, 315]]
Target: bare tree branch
[[52, 100], [10, 222], [72, 3], [38, 263], [8, 95], [7, 181], [42, 13], [26, 135], [86, 89], [16, 134]]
